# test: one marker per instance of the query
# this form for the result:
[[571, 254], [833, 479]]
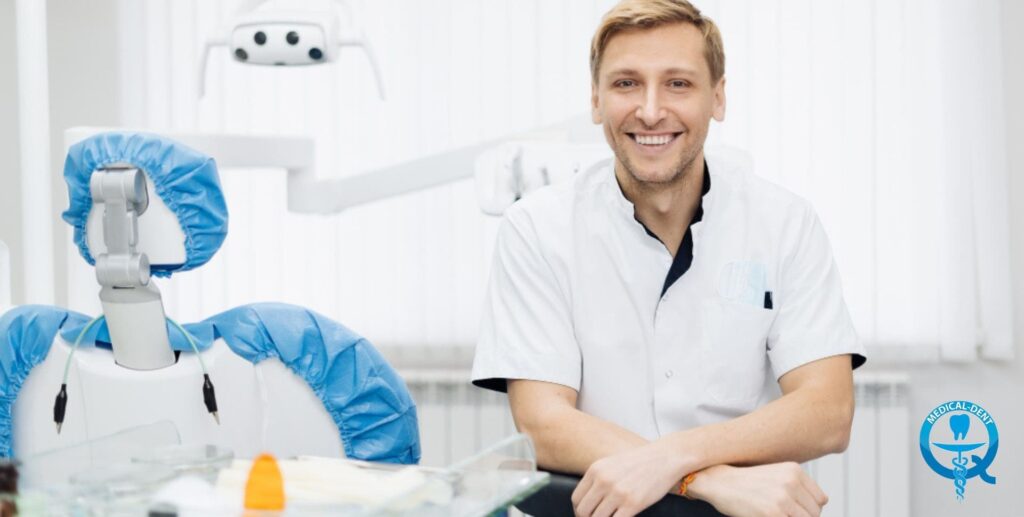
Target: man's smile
[[654, 141]]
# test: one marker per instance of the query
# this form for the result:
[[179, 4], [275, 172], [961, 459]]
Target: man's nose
[[650, 112]]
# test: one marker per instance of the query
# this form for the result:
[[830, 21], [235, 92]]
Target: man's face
[[655, 99]]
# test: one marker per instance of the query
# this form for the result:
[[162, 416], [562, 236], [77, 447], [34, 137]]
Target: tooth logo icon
[[959, 424], [960, 454]]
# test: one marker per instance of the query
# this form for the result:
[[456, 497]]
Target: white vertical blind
[[405, 271], [886, 115]]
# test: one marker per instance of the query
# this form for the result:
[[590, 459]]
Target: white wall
[[84, 90], [10, 193], [85, 85]]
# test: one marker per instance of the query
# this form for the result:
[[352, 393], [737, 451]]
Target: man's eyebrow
[[622, 71], [670, 71], [680, 71]]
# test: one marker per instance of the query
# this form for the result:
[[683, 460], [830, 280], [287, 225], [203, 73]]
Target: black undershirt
[[684, 255]]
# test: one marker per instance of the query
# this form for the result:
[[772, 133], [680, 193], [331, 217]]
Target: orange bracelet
[[685, 484]]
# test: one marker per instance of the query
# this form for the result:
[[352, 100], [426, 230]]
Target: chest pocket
[[734, 352]]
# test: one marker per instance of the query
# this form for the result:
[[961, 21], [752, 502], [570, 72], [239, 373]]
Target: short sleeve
[[813, 321], [526, 329]]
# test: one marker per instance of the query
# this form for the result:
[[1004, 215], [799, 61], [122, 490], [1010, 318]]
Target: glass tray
[[68, 481]]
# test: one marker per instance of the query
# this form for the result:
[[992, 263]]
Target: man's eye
[[679, 84], [625, 83]]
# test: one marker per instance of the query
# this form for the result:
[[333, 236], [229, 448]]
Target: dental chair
[[258, 378]]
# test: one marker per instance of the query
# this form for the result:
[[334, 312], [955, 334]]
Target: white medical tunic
[[575, 298]]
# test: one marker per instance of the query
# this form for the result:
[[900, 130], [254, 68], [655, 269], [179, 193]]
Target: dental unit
[[144, 206]]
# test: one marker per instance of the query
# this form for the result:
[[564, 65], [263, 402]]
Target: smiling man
[[669, 322]]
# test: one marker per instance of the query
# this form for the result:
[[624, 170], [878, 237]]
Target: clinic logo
[[959, 441]]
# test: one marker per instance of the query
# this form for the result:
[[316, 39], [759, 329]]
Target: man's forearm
[[799, 426], [569, 440], [566, 439], [812, 419]]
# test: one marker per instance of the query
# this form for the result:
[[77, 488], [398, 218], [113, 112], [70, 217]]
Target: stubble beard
[[678, 170]]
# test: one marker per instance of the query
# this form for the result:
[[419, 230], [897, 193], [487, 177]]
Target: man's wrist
[[704, 483], [684, 485], [687, 451]]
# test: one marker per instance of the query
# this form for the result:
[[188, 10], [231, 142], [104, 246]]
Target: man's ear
[[719, 110], [595, 114]]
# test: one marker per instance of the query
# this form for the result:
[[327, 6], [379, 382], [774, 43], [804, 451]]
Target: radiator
[[457, 419], [872, 478]]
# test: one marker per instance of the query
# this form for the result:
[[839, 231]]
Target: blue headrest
[[186, 181]]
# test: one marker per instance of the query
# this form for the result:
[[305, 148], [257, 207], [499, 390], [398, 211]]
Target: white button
[[668, 374]]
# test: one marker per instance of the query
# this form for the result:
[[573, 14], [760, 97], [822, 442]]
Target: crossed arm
[[624, 473]]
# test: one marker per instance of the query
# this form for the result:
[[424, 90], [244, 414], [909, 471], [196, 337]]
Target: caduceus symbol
[[959, 424]]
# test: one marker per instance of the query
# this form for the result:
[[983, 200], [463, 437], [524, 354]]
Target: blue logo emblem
[[955, 449]]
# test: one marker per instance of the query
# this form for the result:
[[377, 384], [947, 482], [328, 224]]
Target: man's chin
[[655, 177], [656, 180]]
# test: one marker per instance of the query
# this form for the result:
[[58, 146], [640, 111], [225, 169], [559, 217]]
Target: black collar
[[684, 255]]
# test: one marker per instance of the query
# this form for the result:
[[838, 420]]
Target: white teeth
[[653, 139]]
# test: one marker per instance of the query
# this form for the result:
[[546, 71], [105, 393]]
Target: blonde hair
[[648, 14]]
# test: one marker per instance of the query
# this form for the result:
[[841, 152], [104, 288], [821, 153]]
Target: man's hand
[[626, 483], [626, 473], [775, 490]]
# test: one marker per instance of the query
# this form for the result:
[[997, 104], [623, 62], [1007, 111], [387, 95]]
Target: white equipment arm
[[308, 194]]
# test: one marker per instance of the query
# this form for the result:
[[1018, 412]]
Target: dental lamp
[[274, 37]]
